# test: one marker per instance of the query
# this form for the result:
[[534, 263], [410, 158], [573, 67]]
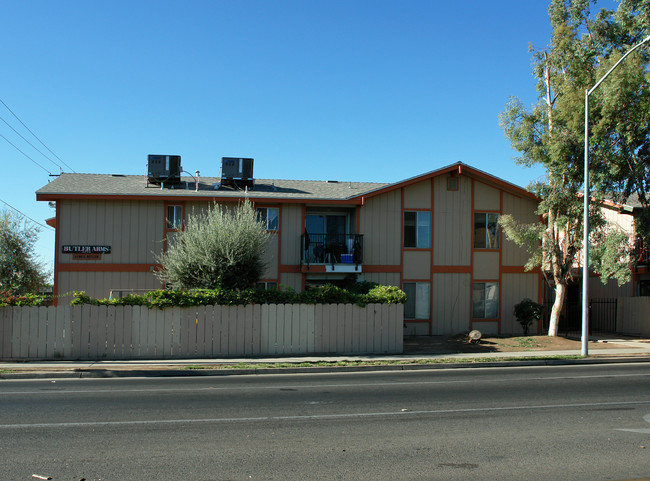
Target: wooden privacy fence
[[136, 332]]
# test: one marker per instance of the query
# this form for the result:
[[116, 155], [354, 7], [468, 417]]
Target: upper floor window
[[486, 230], [417, 229], [269, 216], [175, 217]]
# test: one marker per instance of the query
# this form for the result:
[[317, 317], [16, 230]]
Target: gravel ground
[[461, 344]]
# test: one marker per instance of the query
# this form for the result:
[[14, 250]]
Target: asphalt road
[[576, 423]]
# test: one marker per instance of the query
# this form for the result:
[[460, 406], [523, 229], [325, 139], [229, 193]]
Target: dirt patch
[[461, 344]]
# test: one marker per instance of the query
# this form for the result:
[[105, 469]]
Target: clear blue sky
[[358, 90]]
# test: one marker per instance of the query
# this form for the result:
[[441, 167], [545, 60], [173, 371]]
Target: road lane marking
[[646, 418], [311, 416]]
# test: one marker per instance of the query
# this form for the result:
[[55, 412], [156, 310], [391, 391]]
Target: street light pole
[[584, 351]]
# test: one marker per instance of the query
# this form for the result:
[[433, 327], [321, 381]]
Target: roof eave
[[354, 200], [461, 169]]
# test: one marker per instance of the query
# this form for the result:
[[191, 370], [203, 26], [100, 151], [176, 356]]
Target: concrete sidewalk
[[617, 350]]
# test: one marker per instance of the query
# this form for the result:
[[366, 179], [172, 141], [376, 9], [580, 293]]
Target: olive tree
[[220, 247], [20, 271]]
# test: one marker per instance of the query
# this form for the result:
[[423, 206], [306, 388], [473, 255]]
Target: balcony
[[336, 252]]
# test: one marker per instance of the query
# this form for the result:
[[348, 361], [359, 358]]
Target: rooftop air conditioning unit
[[164, 169], [237, 172]]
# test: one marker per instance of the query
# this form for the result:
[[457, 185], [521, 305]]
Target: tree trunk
[[560, 294]]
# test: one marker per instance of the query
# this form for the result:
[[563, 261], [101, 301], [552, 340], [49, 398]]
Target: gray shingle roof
[[633, 201], [626, 203], [136, 185]]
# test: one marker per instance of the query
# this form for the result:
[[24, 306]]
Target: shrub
[[386, 295], [222, 247], [8, 298], [526, 312], [327, 294]]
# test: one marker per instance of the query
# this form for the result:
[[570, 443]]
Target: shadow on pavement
[[446, 345]]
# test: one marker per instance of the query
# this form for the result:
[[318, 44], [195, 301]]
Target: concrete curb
[[156, 371]]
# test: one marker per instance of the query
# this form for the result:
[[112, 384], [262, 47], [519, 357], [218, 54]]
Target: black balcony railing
[[331, 249]]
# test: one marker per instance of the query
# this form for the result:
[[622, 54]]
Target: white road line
[[646, 418], [311, 417]]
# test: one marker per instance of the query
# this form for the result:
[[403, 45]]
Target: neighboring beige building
[[434, 235], [603, 297], [621, 216]]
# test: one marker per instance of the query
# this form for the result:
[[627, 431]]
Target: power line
[[9, 142], [26, 216], [33, 146], [35, 136]]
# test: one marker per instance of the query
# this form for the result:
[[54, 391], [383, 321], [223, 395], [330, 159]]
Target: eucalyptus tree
[[583, 46], [621, 111]]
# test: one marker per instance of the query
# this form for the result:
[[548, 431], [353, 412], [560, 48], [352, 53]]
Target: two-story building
[[434, 235]]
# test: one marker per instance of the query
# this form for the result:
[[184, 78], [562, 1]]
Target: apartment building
[[434, 235]]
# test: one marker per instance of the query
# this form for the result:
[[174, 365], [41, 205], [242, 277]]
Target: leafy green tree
[[551, 133], [221, 247], [620, 131], [20, 271]]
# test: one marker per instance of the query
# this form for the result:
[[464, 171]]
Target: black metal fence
[[602, 316], [331, 248]]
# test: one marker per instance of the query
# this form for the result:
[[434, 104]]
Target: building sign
[[86, 257], [87, 249]]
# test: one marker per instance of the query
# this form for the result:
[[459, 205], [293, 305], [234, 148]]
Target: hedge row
[[7, 298], [365, 293]]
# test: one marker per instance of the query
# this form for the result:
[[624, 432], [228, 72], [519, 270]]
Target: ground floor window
[[485, 300], [266, 286], [338, 281], [418, 302], [644, 287]]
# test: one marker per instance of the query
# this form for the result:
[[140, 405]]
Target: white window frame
[[270, 225], [487, 239], [422, 224], [176, 220], [422, 307], [489, 298]]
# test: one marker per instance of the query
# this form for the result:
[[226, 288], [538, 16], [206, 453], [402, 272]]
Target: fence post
[[5, 332]]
